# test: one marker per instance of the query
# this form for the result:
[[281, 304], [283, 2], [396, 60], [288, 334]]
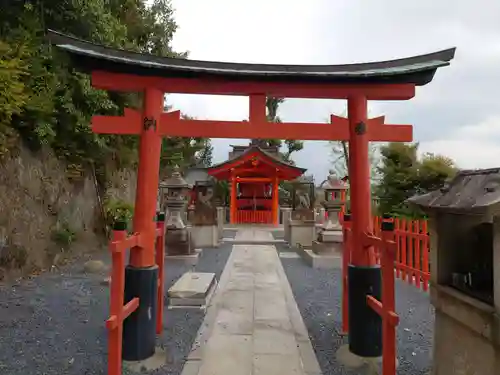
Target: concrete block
[[322, 261], [204, 236], [302, 233], [193, 289]]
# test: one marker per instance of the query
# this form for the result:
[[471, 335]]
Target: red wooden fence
[[254, 217], [412, 256]]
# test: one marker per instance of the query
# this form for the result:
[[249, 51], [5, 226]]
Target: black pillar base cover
[[365, 325], [139, 329]]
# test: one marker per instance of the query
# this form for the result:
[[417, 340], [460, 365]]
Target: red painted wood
[[377, 130], [129, 123], [359, 177], [126, 82], [147, 177], [266, 167], [160, 262], [254, 217]]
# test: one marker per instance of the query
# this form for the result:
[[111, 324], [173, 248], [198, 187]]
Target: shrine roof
[[470, 191], [417, 70], [223, 169]]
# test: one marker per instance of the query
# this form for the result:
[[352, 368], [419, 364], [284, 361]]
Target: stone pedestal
[[326, 253], [221, 216], [302, 233], [286, 216], [329, 242], [204, 236], [177, 237], [327, 248]]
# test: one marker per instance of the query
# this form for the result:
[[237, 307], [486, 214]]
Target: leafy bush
[[63, 234], [117, 210]]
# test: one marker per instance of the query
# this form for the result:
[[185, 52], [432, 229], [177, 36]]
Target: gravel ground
[[54, 323], [318, 296]]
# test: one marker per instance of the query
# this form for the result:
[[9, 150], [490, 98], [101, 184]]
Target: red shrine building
[[254, 173]]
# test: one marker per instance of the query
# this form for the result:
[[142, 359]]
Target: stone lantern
[[177, 236], [327, 249], [333, 203]]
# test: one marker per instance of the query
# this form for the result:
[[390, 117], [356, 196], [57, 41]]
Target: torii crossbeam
[[172, 125]]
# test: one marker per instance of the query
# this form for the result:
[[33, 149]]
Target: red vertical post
[[160, 262], [425, 255], [141, 275], [116, 305], [388, 256], [359, 177], [148, 179], [364, 276]]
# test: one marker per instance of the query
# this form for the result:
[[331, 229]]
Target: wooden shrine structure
[[254, 173], [153, 76]]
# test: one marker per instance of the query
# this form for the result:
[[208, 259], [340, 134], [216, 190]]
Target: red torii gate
[[117, 70]]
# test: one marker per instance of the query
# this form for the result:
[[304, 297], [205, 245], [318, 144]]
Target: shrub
[[63, 235], [117, 210]]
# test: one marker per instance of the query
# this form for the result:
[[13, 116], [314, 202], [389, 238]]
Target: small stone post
[[221, 215], [286, 217], [177, 236]]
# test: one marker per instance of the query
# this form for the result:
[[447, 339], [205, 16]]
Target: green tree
[[47, 102], [204, 157], [292, 145], [433, 171], [403, 175]]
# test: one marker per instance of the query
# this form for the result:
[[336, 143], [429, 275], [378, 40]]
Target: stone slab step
[[252, 242], [192, 289]]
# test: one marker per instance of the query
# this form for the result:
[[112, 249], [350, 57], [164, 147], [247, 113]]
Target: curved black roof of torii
[[417, 70]]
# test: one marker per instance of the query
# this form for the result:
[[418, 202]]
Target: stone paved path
[[253, 326]]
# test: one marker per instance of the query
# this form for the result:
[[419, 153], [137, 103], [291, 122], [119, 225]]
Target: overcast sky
[[458, 114]]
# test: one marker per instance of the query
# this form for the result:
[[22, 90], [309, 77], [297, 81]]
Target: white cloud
[[472, 146], [444, 112]]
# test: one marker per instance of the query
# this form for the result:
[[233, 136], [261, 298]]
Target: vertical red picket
[[160, 262], [425, 256], [390, 320], [404, 240], [398, 243], [409, 256], [385, 308], [418, 239], [117, 287]]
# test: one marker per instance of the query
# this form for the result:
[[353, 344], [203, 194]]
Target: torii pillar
[[141, 274], [364, 275]]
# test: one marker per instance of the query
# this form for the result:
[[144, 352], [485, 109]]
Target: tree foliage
[[403, 174], [292, 145], [45, 101]]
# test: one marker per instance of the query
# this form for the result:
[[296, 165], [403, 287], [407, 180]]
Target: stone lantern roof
[[333, 183], [175, 181]]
